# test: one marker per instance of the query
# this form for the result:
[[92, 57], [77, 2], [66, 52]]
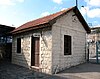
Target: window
[[2, 40], [9, 39], [67, 45], [18, 45]]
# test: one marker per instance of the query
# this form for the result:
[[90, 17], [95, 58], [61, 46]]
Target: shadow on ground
[[11, 71]]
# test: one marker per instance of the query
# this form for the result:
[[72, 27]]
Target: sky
[[17, 12]]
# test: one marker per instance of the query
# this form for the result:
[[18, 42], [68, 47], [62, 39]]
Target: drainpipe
[[88, 53], [97, 52], [85, 47]]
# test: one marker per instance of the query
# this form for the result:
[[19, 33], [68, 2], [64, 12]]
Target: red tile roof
[[39, 22]]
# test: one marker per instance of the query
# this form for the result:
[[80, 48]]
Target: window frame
[[68, 45], [18, 45]]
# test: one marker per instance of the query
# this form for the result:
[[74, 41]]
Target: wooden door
[[35, 51]]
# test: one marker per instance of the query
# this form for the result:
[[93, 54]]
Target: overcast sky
[[18, 12]]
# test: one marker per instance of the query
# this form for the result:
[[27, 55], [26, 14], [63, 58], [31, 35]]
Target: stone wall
[[67, 25], [46, 51], [24, 58]]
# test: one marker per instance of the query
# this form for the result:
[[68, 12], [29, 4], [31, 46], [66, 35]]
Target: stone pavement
[[84, 71], [12, 71]]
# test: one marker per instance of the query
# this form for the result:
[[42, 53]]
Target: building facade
[[92, 38], [52, 43]]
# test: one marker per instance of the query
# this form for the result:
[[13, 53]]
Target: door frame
[[33, 51]]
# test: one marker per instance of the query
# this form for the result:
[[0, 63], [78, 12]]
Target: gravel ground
[[84, 71]]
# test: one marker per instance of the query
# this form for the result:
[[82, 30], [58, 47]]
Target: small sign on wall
[[36, 34]]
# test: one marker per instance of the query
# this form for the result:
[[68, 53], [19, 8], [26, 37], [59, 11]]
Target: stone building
[[51, 43], [92, 38]]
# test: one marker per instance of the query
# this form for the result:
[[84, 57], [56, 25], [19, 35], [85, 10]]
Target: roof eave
[[82, 20], [31, 28], [51, 22]]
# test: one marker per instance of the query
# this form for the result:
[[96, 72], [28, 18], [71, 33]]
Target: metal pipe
[[88, 54], [97, 52], [76, 3]]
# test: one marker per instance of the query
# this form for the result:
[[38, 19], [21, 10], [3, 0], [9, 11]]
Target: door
[[8, 51], [35, 51]]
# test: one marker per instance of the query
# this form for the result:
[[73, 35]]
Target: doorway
[[35, 51]]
